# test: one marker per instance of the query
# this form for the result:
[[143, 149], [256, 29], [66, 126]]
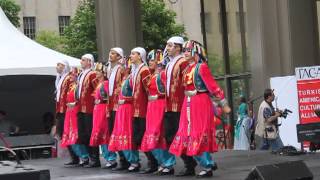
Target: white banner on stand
[[285, 89]]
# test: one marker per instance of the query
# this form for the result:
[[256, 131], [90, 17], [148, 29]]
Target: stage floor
[[233, 165]]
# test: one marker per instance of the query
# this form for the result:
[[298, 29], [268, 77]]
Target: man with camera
[[267, 131]]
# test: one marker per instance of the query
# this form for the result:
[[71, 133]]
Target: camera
[[284, 113], [317, 111], [269, 129]]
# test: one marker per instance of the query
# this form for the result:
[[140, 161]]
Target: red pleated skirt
[[197, 135], [70, 128], [100, 131], [122, 134], [154, 137]]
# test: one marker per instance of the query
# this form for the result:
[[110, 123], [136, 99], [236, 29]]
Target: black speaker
[[292, 170], [11, 171]]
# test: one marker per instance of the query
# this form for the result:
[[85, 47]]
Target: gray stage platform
[[233, 165]]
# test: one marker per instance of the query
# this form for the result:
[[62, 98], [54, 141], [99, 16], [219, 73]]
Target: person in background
[[267, 131], [6, 126], [242, 130]]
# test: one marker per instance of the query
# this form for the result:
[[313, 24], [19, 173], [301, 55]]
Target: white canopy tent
[[21, 55], [27, 76]]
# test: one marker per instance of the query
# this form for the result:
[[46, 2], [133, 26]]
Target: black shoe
[[214, 167], [160, 168], [186, 172], [149, 170], [84, 162], [204, 173], [72, 163], [134, 168], [166, 171], [122, 167], [92, 165], [110, 165], [207, 172]]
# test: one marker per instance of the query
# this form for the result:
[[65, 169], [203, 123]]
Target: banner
[[285, 89], [308, 89]]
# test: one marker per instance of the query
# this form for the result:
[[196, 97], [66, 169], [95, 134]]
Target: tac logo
[[306, 73]]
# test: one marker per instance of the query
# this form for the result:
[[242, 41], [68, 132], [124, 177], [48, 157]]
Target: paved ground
[[233, 165]]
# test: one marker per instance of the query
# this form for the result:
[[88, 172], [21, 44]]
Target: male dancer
[[87, 83], [62, 83], [174, 98], [114, 74], [140, 75]]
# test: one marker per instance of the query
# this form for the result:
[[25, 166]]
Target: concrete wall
[[118, 25], [282, 35], [46, 12], [188, 14]]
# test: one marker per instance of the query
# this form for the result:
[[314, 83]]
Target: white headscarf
[[60, 77], [118, 50], [85, 72], [142, 53], [176, 40], [134, 68], [66, 66], [172, 61], [91, 58], [111, 72]]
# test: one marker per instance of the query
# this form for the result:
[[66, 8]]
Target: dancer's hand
[[226, 109]]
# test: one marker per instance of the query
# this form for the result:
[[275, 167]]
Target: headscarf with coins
[[100, 67], [196, 48], [156, 54]]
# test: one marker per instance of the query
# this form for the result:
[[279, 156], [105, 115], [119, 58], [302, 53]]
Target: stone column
[[282, 35], [118, 24]]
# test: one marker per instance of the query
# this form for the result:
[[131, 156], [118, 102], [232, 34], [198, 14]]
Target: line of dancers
[[158, 103]]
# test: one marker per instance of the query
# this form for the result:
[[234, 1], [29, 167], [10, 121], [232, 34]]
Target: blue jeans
[[275, 144], [164, 158], [108, 155], [205, 160], [132, 156], [80, 150]]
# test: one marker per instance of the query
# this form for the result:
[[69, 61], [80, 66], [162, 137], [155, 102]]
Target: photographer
[[267, 132]]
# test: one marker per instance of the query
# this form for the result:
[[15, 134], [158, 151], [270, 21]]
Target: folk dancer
[[63, 81], [100, 131], [174, 98], [196, 133], [115, 73], [121, 138], [70, 136], [87, 83], [153, 139]]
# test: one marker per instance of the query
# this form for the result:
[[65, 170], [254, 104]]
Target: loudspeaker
[[292, 170], [11, 171], [28, 141]]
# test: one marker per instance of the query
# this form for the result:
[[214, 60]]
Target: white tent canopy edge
[[20, 55]]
